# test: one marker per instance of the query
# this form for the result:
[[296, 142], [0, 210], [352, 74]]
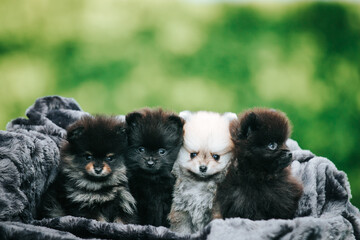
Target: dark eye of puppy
[[162, 151], [109, 158], [272, 146], [216, 157], [141, 149], [88, 157], [193, 154]]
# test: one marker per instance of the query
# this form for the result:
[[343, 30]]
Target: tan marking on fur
[[203, 159], [216, 214], [101, 218], [235, 162], [88, 153], [171, 214], [68, 158], [226, 150], [106, 169], [89, 167], [118, 220], [175, 217], [110, 154]]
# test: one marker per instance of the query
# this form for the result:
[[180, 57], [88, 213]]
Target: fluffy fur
[[259, 184], [155, 137], [201, 164], [92, 181]]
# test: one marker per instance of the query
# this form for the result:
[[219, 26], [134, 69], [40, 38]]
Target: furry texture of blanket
[[29, 157]]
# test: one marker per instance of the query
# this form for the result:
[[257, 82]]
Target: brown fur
[[259, 184]]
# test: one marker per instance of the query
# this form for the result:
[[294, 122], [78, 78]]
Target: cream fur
[[205, 133]]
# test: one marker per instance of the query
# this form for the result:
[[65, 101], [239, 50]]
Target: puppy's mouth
[[150, 170], [150, 165], [202, 176], [98, 172], [95, 178], [284, 161]]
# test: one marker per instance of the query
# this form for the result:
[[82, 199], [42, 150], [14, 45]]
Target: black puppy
[[92, 180], [155, 138], [259, 184]]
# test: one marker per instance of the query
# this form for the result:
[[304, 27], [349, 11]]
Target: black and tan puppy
[[155, 138], [259, 184], [92, 181]]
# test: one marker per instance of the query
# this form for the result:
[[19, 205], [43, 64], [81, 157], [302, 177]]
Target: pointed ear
[[248, 125], [133, 118], [75, 133], [185, 115], [230, 116], [176, 120], [121, 118]]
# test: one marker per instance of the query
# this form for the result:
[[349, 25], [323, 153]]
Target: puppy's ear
[[133, 118], [176, 121], [249, 124], [121, 118], [75, 133], [185, 115], [230, 116]]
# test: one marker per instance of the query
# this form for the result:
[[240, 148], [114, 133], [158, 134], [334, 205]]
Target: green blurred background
[[117, 56]]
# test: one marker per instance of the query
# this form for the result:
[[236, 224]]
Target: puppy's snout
[[203, 168], [98, 170], [150, 162], [289, 155]]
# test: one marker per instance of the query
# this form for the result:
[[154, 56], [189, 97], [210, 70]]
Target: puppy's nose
[[203, 168], [150, 163], [289, 155], [98, 170]]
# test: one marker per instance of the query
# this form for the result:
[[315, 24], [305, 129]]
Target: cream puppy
[[200, 165]]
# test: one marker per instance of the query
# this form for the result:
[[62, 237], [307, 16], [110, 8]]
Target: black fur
[[155, 138], [92, 181], [259, 184]]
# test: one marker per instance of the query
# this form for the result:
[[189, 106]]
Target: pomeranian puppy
[[259, 184], [155, 137], [92, 180], [200, 165]]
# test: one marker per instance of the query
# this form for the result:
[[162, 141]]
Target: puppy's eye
[[141, 149], [216, 157], [109, 158], [162, 151], [88, 157], [272, 146], [193, 154]]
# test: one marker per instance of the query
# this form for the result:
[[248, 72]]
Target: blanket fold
[[29, 158]]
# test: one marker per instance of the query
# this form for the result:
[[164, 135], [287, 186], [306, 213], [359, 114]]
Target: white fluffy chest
[[195, 198]]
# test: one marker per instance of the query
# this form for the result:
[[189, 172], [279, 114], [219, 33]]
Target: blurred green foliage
[[117, 56]]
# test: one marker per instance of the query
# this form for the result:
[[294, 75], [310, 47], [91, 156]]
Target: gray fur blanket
[[29, 157]]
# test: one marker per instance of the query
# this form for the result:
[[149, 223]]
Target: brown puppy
[[259, 184]]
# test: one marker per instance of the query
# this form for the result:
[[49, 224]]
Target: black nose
[[289, 155], [150, 163], [203, 168], [98, 170]]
